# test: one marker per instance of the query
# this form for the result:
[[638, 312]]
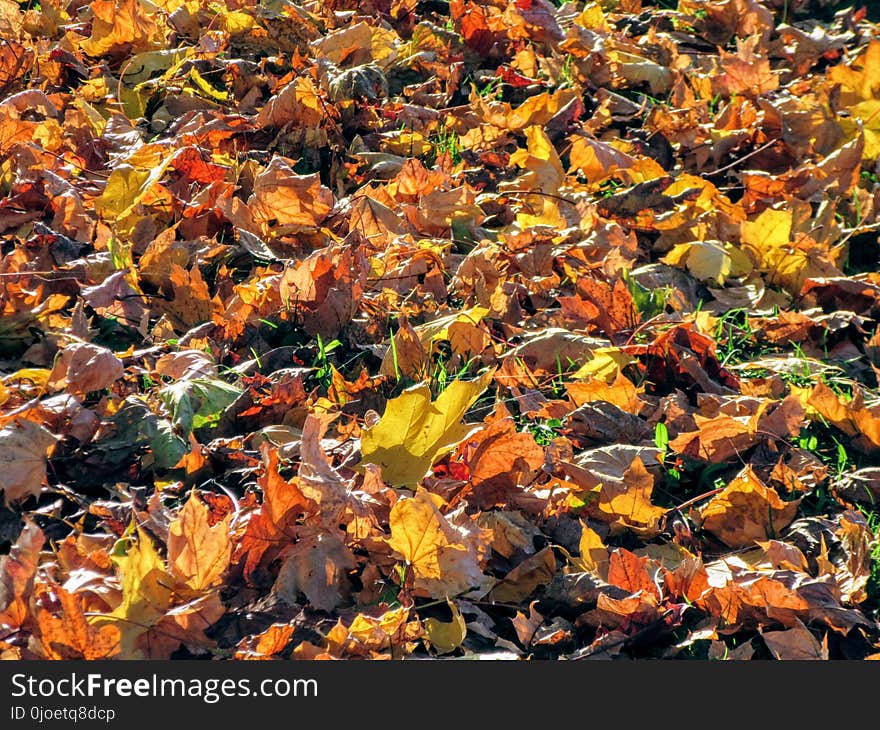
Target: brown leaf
[[525, 578], [316, 567], [24, 448], [17, 571], [527, 626], [796, 643], [747, 511], [502, 461], [284, 202], [326, 288], [83, 368]]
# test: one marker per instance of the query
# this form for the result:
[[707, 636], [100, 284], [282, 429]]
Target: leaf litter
[[390, 329]]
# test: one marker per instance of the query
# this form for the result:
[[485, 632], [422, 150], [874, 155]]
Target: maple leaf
[[121, 25], [796, 643], [198, 551], [415, 431], [629, 502], [746, 511], [317, 568], [83, 367], [24, 448], [18, 570], [265, 645], [233, 237], [71, 636], [443, 558], [147, 591]]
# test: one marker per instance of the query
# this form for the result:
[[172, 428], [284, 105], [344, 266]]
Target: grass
[[873, 586], [446, 141], [546, 431], [323, 374], [736, 338]]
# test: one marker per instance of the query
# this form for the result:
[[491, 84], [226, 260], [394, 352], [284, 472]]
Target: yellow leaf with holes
[[447, 636]]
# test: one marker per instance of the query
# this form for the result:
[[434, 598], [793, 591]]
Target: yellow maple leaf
[[147, 590], [444, 561], [629, 505], [415, 431], [787, 263]]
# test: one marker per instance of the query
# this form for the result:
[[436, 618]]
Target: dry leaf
[[24, 448]]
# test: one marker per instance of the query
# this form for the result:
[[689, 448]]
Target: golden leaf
[[446, 636], [746, 512], [198, 552], [442, 563], [415, 431]]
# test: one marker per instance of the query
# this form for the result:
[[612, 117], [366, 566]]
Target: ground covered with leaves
[[407, 328]]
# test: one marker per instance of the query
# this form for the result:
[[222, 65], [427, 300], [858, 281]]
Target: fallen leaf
[[315, 567], [198, 552], [415, 431], [444, 562], [71, 636], [24, 448], [83, 368], [747, 511], [446, 636], [796, 643]]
